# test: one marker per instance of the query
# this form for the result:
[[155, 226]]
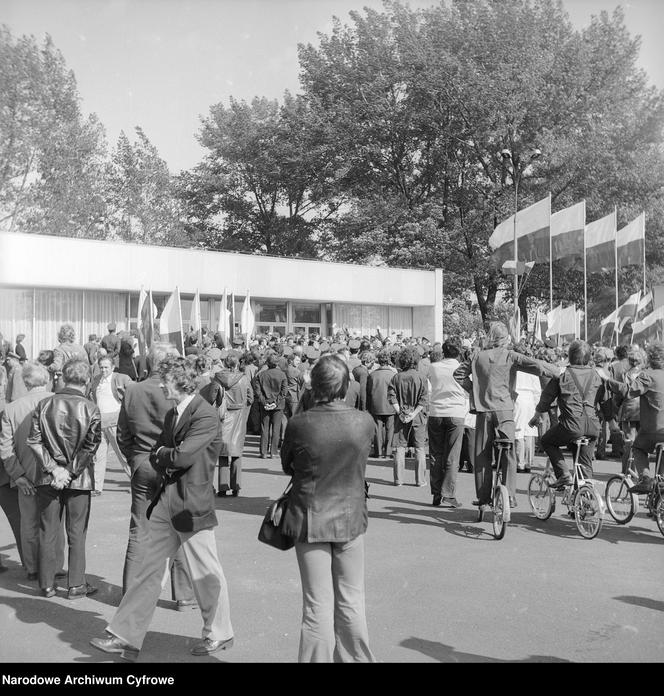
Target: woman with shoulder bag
[[325, 450]]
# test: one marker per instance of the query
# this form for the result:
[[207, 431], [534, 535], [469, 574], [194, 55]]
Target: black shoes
[[209, 646], [79, 591], [643, 485], [221, 494], [116, 646], [48, 591], [236, 492], [561, 482], [437, 501]]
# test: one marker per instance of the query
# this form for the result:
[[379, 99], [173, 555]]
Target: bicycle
[[500, 499], [622, 504], [583, 502]]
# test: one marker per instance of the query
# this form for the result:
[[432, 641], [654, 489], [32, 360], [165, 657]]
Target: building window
[[306, 313], [270, 312]]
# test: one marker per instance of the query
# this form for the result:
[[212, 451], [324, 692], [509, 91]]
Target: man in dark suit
[[379, 406], [182, 515], [271, 387], [140, 422], [111, 343]]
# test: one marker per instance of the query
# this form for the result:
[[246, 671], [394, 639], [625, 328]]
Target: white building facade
[[46, 281]]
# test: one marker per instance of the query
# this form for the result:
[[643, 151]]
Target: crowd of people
[[178, 425]]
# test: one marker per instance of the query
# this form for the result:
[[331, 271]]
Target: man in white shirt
[[448, 407], [107, 391]]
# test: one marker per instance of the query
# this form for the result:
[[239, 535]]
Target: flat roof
[[33, 260]]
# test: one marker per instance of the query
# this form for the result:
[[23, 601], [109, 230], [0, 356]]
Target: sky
[[161, 64]]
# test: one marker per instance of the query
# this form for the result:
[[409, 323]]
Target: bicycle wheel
[[588, 512], [660, 515], [621, 504], [540, 496], [501, 511]]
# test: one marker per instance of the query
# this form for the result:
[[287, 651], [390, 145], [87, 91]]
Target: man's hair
[[46, 357], [498, 335], [329, 378], [66, 334], [408, 358], [436, 354], [367, 357], [34, 374], [20, 337], [579, 353], [105, 357], [655, 353], [92, 337], [76, 371], [452, 347], [272, 360], [383, 357], [180, 371], [231, 361], [158, 352], [621, 351]]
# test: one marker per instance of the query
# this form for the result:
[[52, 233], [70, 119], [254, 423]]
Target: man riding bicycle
[[579, 391]]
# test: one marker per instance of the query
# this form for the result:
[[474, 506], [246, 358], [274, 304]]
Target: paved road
[[440, 588]]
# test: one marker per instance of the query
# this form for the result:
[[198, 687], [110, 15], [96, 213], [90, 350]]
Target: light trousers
[[334, 625], [108, 437], [133, 617]]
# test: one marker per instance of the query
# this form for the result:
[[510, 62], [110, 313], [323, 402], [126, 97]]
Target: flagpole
[[615, 247], [585, 279], [177, 290], [643, 215], [516, 254], [550, 259], [151, 321]]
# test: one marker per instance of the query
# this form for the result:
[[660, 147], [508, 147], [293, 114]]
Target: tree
[[420, 105], [51, 158], [258, 188], [143, 204]]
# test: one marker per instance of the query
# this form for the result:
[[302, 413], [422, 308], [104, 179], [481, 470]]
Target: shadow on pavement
[[272, 472], [646, 602], [247, 506], [76, 626], [107, 593], [446, 653]]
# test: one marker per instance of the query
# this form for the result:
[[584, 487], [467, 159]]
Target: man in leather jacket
[[64, 449]]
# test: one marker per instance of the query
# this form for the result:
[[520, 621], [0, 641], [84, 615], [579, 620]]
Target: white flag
[[247, 320], [195, 316]]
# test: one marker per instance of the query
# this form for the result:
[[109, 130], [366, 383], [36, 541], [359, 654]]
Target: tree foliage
[[142, 202], [258, 188], [51, 157], [421, 104]]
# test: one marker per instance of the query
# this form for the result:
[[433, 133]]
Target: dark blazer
[[378, 383], [271, 386], [361, 375], [186, 458], [141, 419], [325, 450]]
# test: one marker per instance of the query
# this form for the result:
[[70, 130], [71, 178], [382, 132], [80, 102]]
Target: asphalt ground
[[439, 586]]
